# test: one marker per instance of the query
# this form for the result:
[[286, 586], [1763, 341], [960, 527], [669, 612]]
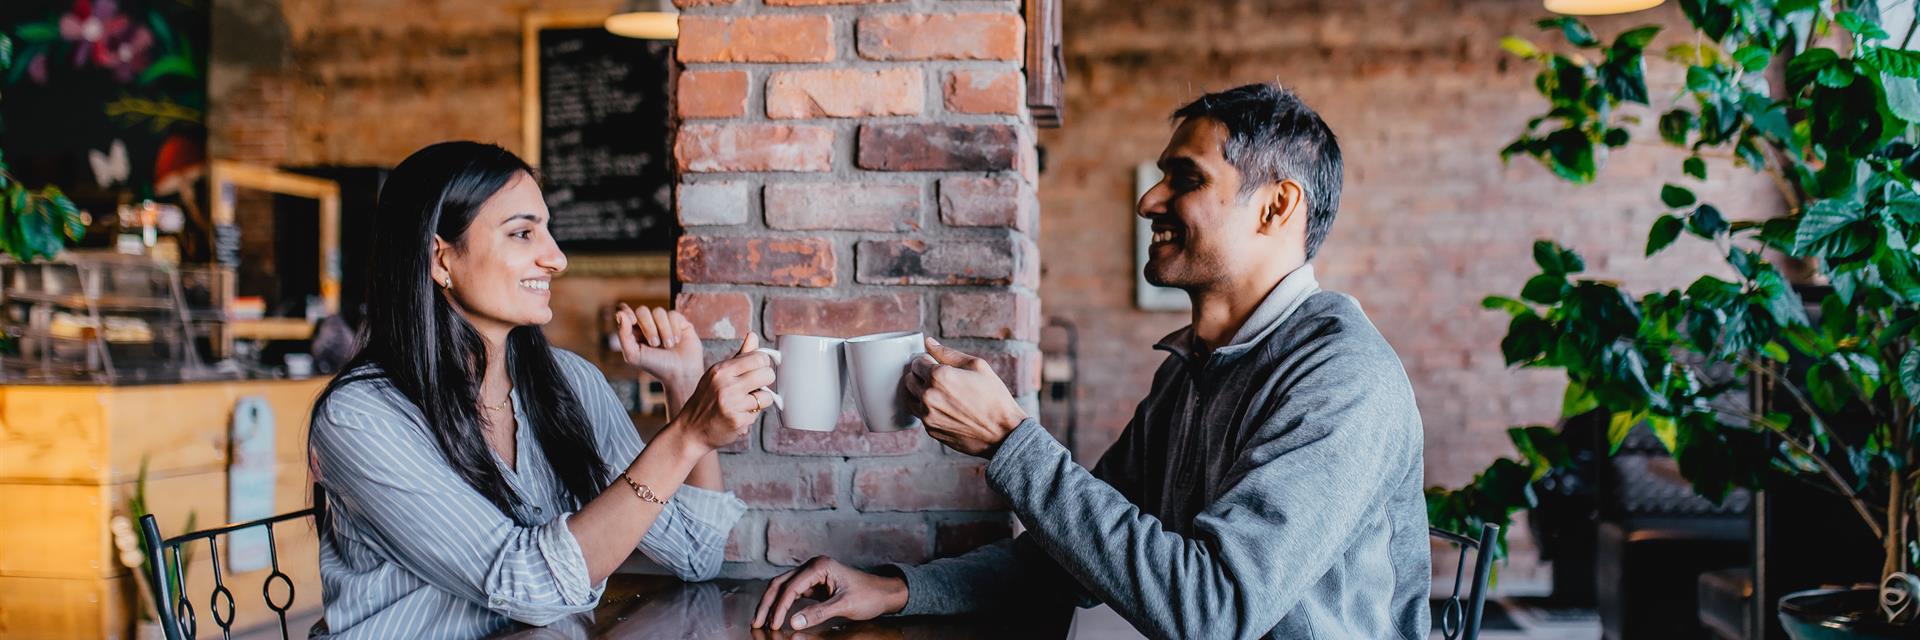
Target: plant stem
[[1859, 506], [1911, 27], [1826, 468]]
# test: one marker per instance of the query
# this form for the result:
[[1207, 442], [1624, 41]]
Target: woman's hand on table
[[843, 592], [729, 397], [662, 343]]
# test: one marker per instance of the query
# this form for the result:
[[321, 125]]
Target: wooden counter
[[69, 456]]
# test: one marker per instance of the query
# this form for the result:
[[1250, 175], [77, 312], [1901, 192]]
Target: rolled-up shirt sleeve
[[690, 536], [379, 467]]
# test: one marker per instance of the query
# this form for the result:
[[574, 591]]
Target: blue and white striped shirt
[[412, 551]]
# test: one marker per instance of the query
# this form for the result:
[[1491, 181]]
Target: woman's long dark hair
[[420, 344]]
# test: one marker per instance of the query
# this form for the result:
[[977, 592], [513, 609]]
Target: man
[[1270, 484]]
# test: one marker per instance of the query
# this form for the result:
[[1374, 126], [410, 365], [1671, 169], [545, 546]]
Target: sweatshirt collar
[[1279, 305]]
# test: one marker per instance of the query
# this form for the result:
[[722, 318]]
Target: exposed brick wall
[[1422, 99], [367, 82], [1417, 90], [871, 181]]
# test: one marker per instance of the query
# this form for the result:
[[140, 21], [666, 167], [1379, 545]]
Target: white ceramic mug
[[877, 364], [808, 384]]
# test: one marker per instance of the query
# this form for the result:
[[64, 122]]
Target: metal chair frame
[[1461, 621], [221, 602]]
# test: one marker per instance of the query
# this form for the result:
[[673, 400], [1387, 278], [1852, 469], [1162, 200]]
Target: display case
[[109, 318]]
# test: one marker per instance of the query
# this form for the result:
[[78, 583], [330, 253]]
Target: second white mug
[[877, 364]]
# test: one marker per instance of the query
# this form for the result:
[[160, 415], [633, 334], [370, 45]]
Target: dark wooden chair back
[[178, 617], [1460, 620]]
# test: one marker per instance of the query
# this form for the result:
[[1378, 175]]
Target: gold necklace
[[502, 406]]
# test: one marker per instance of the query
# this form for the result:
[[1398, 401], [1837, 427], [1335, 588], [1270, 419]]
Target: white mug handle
[[778, 402]]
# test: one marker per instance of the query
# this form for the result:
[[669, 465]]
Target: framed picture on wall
[[1145, 295]]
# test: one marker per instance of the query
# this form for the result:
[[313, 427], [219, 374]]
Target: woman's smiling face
[[502, 266]]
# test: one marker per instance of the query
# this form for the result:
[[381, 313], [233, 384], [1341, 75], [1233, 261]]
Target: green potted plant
[[34, 224], [133, 553], [1817, 95]]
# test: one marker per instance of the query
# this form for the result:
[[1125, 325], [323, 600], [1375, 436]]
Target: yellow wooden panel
[[69, 536], [98, 434], [52, 433], [53, 531], [192, 436], [63, 608]]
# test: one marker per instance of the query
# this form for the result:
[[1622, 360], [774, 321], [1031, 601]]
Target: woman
[[474, 474]]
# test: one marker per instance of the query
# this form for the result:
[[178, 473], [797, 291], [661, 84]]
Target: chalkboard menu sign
[[598, 129]]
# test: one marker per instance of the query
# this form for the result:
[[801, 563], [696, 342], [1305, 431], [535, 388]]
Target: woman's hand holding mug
[[729, 397]]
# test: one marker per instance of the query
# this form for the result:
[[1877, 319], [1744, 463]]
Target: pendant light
[[1599, 7]]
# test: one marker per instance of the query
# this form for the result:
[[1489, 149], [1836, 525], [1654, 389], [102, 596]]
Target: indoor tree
[[1817, 95]]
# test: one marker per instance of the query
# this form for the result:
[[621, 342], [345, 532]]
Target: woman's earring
[[448, 282]]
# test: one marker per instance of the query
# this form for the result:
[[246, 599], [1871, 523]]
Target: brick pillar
[[850, 168]]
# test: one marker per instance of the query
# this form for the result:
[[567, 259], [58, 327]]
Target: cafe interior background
[[840, 167]]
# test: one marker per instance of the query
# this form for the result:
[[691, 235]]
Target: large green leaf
[[1577, 33], [1782, 303], [1753, 57], [1897, 62], [1665, 230], [1675, 125], [1541, 448], [1577, 400], [1526, 339], [1693, 54], [1821, 221], [1519, 47], [1636, 39], [1554, 259], [1703, 80], [1910, 374], [1712, 17], [1618, 426], [37, 32], [1903, 97], [1694, 166], [1706, 222], [1904, 204], [1573, 155], [1502, 303], [1546, 288], [1666, 430], [1804, 67], [1836, 76], [174, 65], [1827, 386], [1714, 292], [1676, 196], [1860, 26]]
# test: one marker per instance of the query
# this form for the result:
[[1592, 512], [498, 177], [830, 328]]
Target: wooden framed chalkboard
[[597, 123]]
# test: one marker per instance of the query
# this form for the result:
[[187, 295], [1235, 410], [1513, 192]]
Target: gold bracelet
[[644, 492]]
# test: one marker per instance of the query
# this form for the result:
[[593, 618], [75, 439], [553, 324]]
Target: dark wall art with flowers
[[107, 100]]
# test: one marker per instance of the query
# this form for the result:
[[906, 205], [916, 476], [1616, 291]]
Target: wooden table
[[643, 606]]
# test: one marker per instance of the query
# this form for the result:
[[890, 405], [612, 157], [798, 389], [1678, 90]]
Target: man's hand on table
[[843, 592]]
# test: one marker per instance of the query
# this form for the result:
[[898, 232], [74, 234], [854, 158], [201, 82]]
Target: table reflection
[[644, 606]]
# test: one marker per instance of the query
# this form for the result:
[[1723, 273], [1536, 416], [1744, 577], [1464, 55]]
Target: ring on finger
[[757, 403]]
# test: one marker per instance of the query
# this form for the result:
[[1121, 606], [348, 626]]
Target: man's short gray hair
[[1272, 136]]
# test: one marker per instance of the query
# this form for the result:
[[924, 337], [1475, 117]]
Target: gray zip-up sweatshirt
[[1271, 488]]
